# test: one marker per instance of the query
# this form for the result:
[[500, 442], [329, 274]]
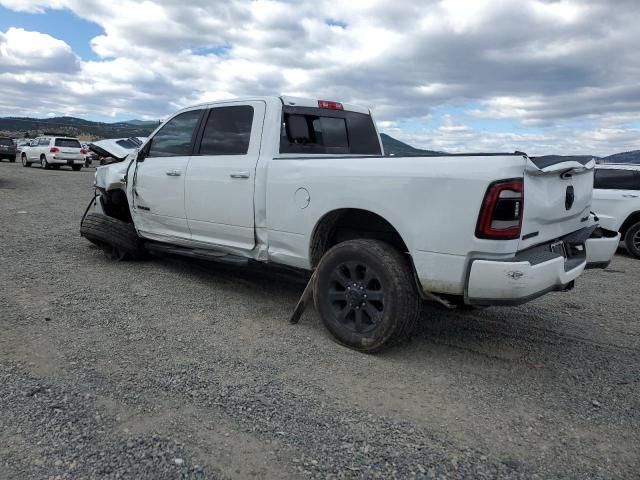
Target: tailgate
[[557, 199]]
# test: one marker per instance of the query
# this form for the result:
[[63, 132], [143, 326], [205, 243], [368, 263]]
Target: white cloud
[[24, 52], [540, 63]]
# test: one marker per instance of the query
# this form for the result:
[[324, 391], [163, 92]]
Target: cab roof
[[287, 100]]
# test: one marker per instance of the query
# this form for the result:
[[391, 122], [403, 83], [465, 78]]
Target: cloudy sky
[[543, 76]]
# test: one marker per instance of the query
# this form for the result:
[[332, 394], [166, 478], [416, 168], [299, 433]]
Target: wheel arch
[[115, 204], [344, 224], [631, 219]]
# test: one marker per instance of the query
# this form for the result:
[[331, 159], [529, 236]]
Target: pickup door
[[220, 176], [159, 178]]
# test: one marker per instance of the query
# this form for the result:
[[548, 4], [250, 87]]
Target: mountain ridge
[[28, 127]]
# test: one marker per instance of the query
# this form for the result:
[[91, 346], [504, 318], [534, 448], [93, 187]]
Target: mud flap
[[305, 299]]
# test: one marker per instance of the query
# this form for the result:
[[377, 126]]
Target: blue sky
[[62, 24], [531, 75]]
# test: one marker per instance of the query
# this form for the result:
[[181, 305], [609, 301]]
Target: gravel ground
[[172, 368]]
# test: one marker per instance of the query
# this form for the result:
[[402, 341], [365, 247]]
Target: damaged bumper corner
[[601, 247]]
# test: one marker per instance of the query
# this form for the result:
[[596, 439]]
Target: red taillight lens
[[54, 150], [502, 208], [330, 105], [84, 151]]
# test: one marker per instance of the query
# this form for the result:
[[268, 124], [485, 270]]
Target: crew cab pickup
[[305, 183], [53, 152]]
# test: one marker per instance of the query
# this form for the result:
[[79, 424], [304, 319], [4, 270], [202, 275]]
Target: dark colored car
[[8, 149]]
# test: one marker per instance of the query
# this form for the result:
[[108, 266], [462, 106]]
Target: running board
[[199, 253]]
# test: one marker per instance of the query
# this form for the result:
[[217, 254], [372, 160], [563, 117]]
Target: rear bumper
[[66, 161], [538, 270]]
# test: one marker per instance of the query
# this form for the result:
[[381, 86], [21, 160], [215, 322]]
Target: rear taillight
[[54, 150], [84, 151], [501, 213]]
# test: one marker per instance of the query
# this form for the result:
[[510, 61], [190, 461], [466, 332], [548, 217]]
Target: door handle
[[173, 173], [243, 174], [628, 195]]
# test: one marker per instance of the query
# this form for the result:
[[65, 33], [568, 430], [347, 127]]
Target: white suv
[[616, 201], [53, 152]]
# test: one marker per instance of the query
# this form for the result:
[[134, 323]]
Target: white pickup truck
[[305, 183]]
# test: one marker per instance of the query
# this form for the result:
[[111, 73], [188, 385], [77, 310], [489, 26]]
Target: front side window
[[175, 137], [228, 131], [610, 179]]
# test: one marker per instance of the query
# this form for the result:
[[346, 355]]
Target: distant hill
[[393, 146], [20, 127], [142, 123], [625, 157]]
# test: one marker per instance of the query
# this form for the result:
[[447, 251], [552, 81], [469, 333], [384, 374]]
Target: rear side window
[[314, 130], [44, 141], [6, 141], [609, 179], [228, 131], [67, 142], [175, 137]]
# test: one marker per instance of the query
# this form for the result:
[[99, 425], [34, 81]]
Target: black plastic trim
[[320, 156]]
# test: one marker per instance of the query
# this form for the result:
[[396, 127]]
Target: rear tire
[[118, 239], [366, 294], [76, 168], [632, 240], [43, 162], [13, 159]]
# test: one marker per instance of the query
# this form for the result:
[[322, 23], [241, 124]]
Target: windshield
[[67, 142], [129, 143]]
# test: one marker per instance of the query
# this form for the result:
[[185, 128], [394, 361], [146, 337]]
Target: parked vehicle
[[53, 152], [616, 201], [305, 183], [8, 149]]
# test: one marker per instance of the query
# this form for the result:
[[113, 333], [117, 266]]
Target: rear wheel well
[[349, 224], [631, 220], [115, 204]]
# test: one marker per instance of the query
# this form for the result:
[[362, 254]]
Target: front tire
[[118, 239], [366, 294], [632, 240], [25, 163]]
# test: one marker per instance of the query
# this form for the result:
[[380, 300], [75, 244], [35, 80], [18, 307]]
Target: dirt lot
[[172, 368]]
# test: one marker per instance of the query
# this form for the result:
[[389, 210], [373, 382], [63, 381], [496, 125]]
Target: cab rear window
[[67, 143], [6, 141], [322, 131]]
